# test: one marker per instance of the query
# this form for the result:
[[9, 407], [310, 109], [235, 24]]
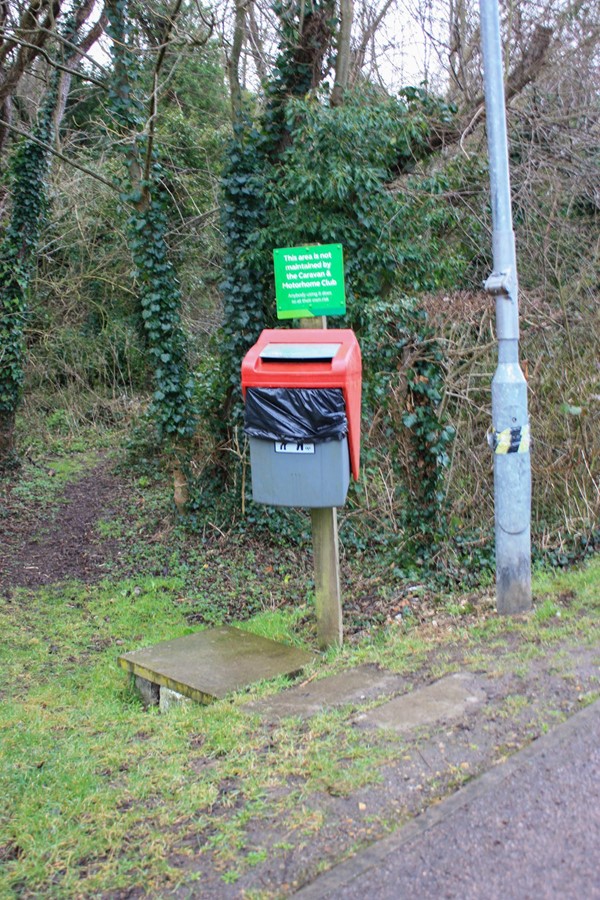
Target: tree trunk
[[233, 63], [181, 490], [161, 323], [7, 436], [342, 62]]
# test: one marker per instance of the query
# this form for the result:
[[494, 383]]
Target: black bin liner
[[296, 414]]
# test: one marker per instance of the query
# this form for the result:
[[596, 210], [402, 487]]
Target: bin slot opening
[[299, 352]]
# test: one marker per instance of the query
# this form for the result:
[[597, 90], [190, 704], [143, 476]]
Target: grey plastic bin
[[287, 474]]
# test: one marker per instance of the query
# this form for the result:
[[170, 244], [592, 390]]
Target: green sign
[[309, 281]]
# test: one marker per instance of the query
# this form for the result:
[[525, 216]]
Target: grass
[[89, 777], [100, 795], [43, 484], [97, 792]]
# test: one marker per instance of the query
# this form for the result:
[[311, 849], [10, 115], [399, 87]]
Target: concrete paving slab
[[446, 699], [208, 665], [358, 685]]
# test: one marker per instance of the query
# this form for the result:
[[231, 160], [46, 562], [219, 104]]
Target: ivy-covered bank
[[145, 199], [17, 260], [28, 178], [305, 171]]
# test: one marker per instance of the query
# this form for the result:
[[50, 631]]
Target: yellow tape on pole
[[510, 440]]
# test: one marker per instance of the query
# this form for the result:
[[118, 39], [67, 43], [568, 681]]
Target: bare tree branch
[[59, 155], [166, 37], [70, 45], [68, 69], [524, 72], [256, 45], [83, 49], [366, 37], [26, 51]]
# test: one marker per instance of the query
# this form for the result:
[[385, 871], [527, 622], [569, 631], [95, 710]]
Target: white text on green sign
[[309, 281]]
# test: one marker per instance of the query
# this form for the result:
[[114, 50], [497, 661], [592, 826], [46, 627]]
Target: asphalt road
[[526, 830]]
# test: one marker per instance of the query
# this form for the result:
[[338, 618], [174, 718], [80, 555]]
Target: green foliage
[[85, 328], [142, 190], [573, 549], [160, 297], [329, 187], [306, 36], [244, 220], [18, 257], [439, 245], [197, 90], [125, 86], [310, 173], [404, 385]]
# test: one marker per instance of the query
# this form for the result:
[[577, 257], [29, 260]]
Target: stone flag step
[[208, 665], [359, 685], [444, 700]]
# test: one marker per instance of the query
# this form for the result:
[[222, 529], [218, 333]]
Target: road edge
[[332, 882]]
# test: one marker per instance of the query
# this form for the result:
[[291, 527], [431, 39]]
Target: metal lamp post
[[509, 437]]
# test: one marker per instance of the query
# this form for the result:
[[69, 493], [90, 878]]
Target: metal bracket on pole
[[500, 283]]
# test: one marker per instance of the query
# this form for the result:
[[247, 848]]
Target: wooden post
[[326, 556], [328, 598]]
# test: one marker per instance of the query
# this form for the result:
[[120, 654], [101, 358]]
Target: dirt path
[[61, 543]]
